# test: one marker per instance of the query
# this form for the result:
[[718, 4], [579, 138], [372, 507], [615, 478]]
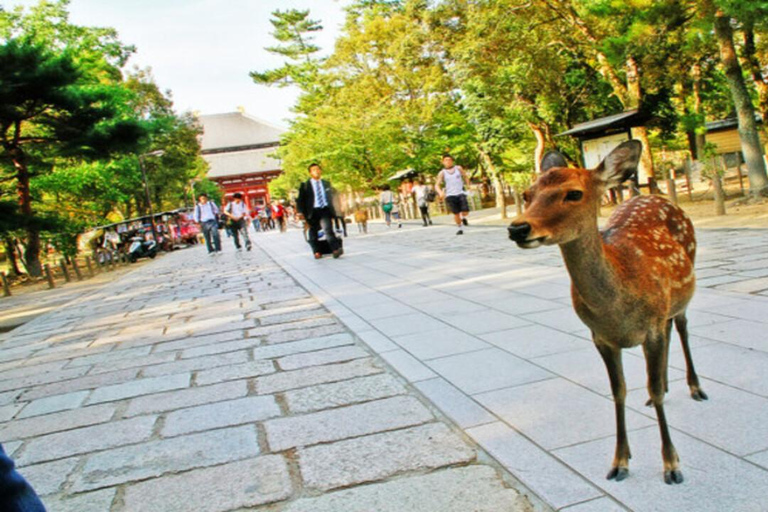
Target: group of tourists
[[315, 206], [235, 218]]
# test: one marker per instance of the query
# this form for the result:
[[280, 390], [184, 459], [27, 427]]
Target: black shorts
[[457, 204]]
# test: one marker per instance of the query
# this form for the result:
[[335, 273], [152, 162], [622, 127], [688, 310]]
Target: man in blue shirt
[[206, 214], [315, 204]]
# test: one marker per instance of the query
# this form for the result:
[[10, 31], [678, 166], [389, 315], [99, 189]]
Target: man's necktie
[[319, 195]]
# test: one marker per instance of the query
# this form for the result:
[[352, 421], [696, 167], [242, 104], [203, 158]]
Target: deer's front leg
[[612, 358], [655, 358]]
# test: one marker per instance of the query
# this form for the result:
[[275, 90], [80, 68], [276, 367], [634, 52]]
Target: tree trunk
[[32, 252], [717, 184], [749, 54], [634, 99], [10, 251], [518, 202], [501, 201], [498, 186], [750, 139], [699, 137]]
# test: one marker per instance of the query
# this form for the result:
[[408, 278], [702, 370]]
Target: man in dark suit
[[315, 204]]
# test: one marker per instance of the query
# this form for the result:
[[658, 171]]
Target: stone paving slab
[[161, 402], [141, 461], [378, 456], [343, 423], [221, 414], [87, 439], [57, 421], [347, 392], [455, 490], [247, 483]]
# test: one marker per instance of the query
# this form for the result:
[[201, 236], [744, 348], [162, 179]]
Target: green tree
[[50, 107]]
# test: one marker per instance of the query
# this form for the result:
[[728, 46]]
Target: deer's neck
[[590, 271]]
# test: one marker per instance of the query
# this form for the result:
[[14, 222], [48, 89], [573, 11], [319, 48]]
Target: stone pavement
[[487, 332], [200, 384]]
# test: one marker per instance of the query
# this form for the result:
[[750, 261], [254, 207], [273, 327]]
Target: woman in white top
[[389, 206]]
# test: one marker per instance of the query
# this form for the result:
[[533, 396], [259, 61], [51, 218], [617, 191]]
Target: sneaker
[[318, 255], [239, 249], [337, 253], [211, 254], [430, 222], [460, 232], [399, 225], [464, 221], [248, 248]]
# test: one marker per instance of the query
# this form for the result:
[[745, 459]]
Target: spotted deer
[[629, 282]]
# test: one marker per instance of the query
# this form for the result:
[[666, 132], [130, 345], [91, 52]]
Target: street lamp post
[[158, 152]]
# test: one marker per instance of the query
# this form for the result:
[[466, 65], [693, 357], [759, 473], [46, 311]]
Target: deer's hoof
[[618, 474], [674, 476], [699, 395]]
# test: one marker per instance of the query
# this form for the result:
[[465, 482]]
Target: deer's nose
[[519, 232]]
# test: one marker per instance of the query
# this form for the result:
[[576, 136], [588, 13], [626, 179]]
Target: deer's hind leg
[[681, 324], [655, 357], [612, 358]]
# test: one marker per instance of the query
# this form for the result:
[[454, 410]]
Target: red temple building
[[239, 149]]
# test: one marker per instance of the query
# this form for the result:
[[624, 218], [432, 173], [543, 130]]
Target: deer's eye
[[574, 195]]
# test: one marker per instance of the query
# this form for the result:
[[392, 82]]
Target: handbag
[[387, 207]]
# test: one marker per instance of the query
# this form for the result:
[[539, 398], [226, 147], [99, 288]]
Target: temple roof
[[237, 130], [242, 162], [236, 143]]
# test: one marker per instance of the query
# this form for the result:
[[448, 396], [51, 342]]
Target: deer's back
[[654, 245]]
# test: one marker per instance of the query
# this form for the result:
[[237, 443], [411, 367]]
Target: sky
[[203, 50]]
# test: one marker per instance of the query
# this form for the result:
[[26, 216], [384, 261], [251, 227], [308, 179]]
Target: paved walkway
[[486, 331], [199, 384]]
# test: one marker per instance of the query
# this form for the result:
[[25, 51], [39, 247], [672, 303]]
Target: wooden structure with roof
[[724, 134], [600, 136], [239, 149]]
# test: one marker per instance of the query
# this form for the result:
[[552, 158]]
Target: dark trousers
[[321, 219], [16, 495], [425, 214], [240, 228], [211, 234]]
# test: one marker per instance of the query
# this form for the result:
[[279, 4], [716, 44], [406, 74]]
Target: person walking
[[278, 213], [206, 215], [237, 214], [421, 194], [315, 205], [389, 206], [455, 193], [255, 219]]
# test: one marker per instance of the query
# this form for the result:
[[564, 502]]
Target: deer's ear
[[620, 164], [552, 159]]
